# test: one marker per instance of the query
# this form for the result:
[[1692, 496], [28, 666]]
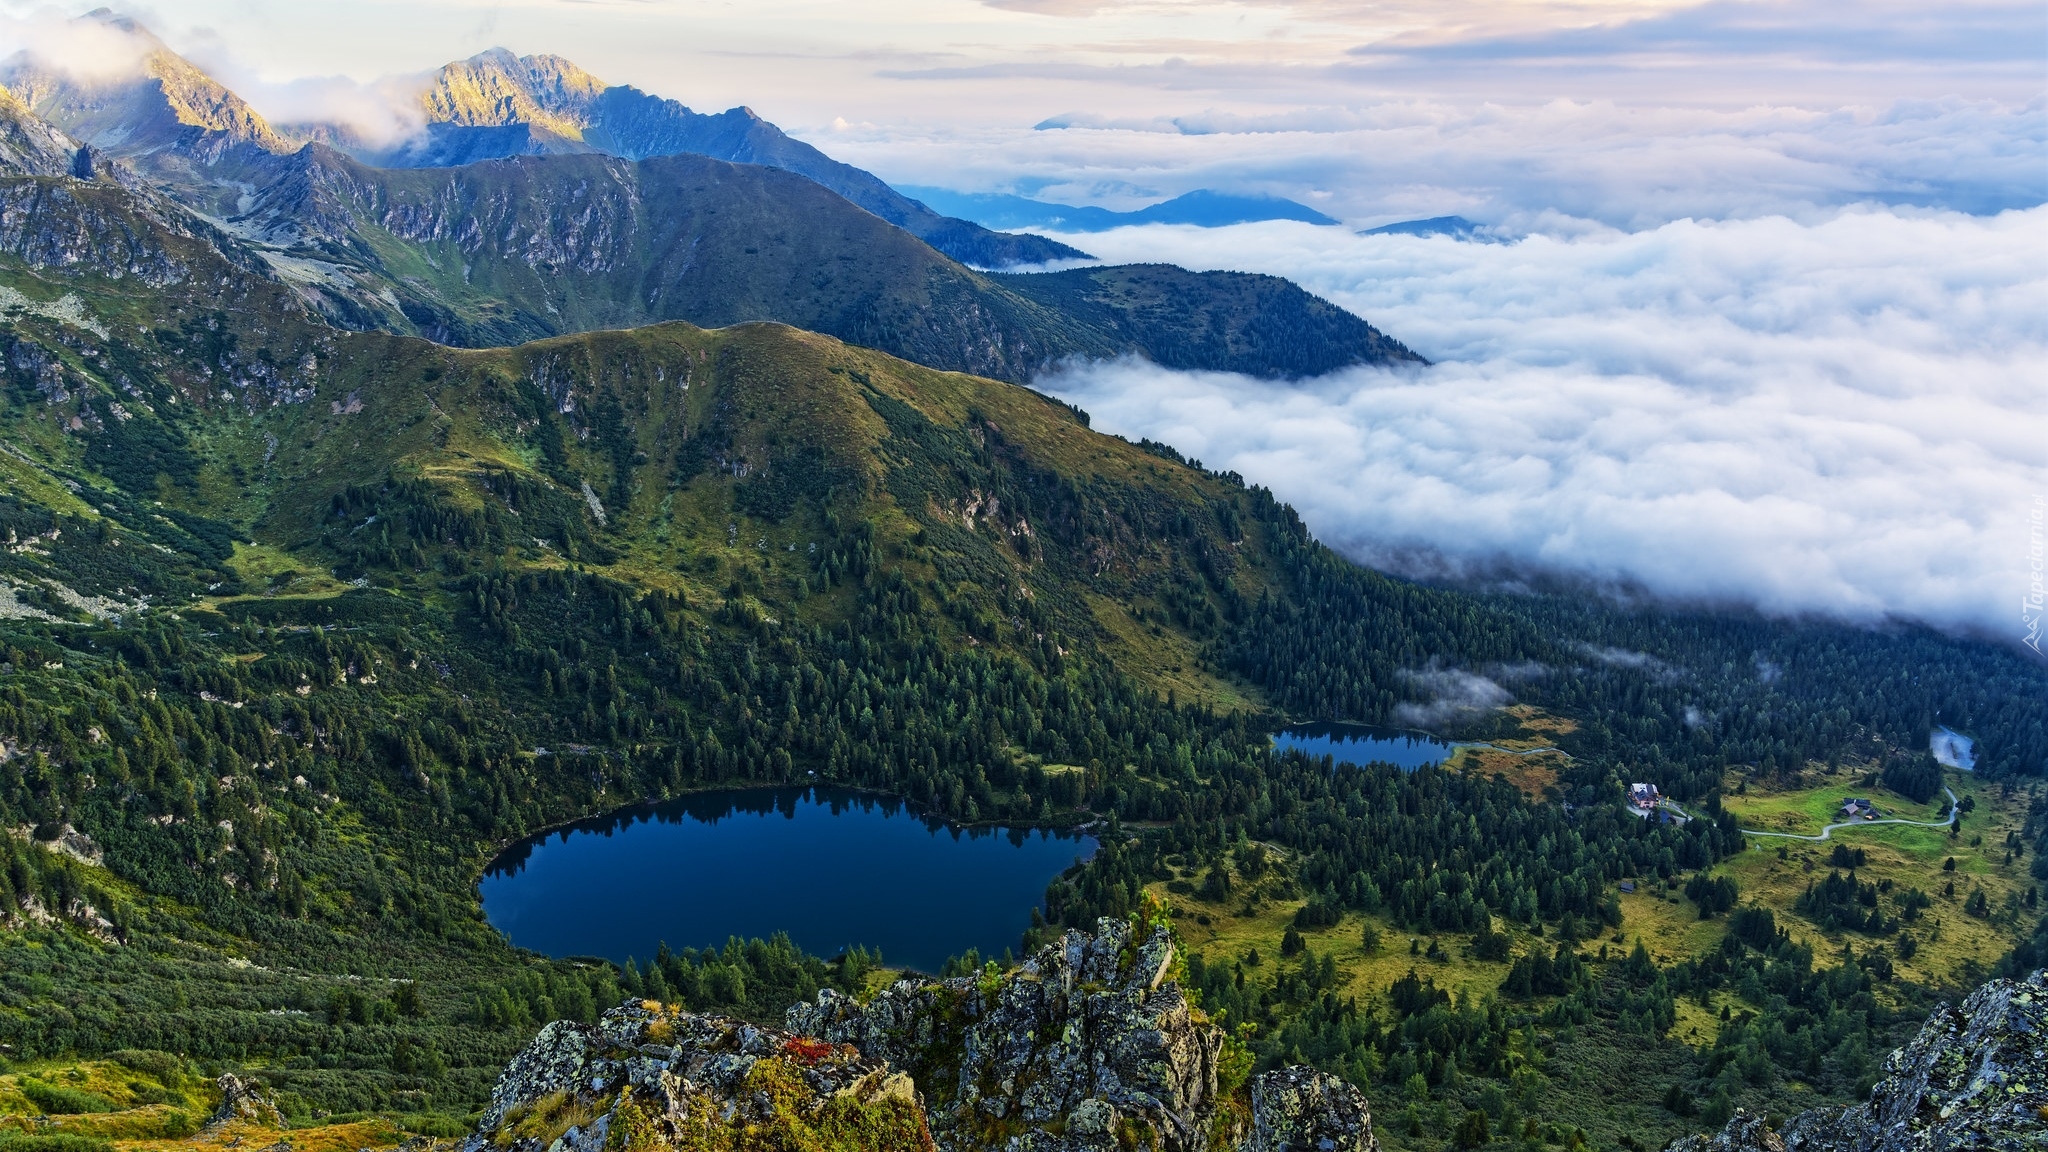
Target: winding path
[[1825, 832]]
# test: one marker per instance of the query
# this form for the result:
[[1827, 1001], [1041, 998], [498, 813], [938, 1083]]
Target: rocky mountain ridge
[[497, 105], [516, 250], [1089, 1046], [31, 146], [166, 112], [576, 239], [184, 128]]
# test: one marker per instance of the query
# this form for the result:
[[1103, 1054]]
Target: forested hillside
[[510, 250], [291, 613]]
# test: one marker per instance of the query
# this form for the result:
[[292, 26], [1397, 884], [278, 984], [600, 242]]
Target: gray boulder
[[1303, 1110], [240, 1100], [1976, 1077]]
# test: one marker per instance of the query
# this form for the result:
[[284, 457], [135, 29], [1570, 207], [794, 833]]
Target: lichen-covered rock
[[1303, 1110], [242, 1101], [649, 1077], [1975, 1077], [1087, 1046]]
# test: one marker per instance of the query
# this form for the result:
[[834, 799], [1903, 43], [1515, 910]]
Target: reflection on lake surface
[[1363, 744], [830, 867]]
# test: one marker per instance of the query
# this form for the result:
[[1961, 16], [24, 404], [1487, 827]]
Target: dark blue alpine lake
[[831, 867], [1361, 744]]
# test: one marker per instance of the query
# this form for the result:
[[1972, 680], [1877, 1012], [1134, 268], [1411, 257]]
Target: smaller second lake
[[1362, 744]]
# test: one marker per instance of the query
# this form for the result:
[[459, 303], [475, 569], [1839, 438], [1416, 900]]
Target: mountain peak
[[496, 88], [119, 20], [165, 103], [179, 125]]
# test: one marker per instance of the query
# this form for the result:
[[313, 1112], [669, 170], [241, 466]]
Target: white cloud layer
[[87, 50], [1627, 166], [1843, 416], [380, 113], [1449, 694]]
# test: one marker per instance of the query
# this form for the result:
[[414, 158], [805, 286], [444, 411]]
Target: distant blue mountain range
[[1456, 227], [1202, 208]]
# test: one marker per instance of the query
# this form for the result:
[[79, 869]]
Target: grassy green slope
[[240, 408]]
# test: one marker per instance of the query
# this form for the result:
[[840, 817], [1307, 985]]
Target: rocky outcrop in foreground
[[1086, 1038], [1300, 1110], [648, 1076], [1975, 1077], [1086, 1047]]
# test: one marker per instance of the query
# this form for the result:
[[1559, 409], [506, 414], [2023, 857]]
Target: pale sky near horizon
[[949, 59], [1630, 112]]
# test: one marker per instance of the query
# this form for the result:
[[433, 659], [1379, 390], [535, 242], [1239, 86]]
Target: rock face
[[1975, 1077], [72, 228], [1085, 1040], [1088, 1047], [31, 147], [240, 1101], [650, 1077], [1303, 1110]]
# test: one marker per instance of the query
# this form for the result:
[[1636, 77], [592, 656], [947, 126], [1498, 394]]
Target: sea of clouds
[[1839, 415], [1557, 165], [1772, 330]]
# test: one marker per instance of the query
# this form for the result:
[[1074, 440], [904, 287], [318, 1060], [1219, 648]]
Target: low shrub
[[60, 1101], [168, 1070], [53, 1142], [435, 1125]]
